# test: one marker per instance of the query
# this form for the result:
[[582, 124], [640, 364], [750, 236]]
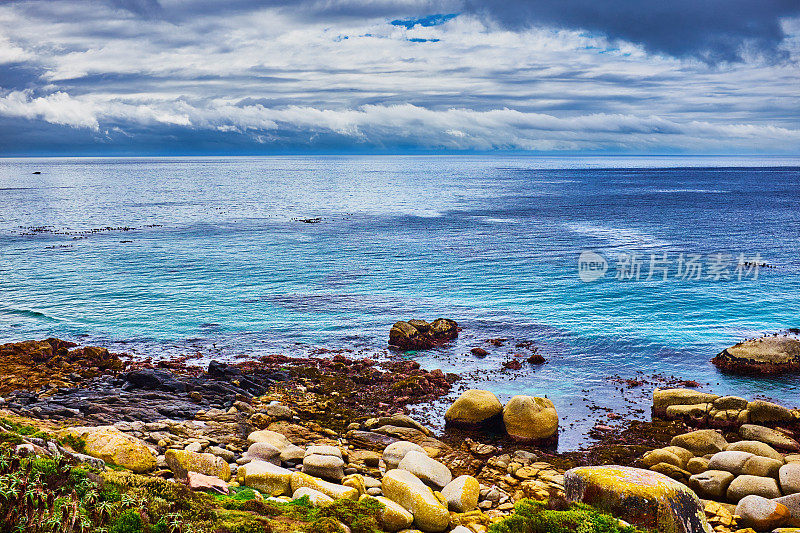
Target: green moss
[[534, 517], [359, 516], [10, 438], [240, 522], [23, 429], [129, 521], [76, 443]]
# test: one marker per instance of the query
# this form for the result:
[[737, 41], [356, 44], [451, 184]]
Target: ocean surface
[[212, 256]]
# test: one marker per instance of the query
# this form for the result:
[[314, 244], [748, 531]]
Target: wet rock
[[767, 355], [419, 335], [265, 477], [479, 352], [429, 470], [395, 452], [152, 379], [701, 442], [761, 514], [756, 448], [746, 485], [640, 497], [712, 483], [462, 494], [114, 447], [181, 462], [789, 477], [528, 418], [413, 495], [203, 482], [770, 436], [474, 407]]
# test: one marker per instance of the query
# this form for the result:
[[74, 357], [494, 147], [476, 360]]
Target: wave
[[618, 237], [705, 191], [26, 313]]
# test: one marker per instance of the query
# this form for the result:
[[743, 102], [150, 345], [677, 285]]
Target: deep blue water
[[216, 262]]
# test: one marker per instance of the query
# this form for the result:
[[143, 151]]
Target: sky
[[149, 77]]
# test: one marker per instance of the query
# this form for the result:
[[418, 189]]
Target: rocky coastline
[[325, 444]]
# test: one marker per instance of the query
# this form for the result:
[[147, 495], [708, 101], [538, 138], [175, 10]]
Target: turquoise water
[[207, 255]]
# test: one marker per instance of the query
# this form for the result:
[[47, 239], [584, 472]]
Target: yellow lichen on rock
[[182, 461], [473, 407], [266, 477], [392, 517], [641, 497], [413, 495], [528, 418], [114, 447], [333, 490]]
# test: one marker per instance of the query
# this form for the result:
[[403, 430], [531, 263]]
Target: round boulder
[[789, 476], [761, 514], [394, 453], [462, 494], [640, 497], [528, 418], [746, 485], [711, 483], [473, 407], [701, 442]]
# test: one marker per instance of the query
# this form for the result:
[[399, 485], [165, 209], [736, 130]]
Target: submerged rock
[[766, 355], [640, 497]]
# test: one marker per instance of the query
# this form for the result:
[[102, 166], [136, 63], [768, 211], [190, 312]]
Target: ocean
[[222, 257]]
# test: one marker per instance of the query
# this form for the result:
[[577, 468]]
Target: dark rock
[[766, 355], [479, 352], [419, 335], [152, 379]]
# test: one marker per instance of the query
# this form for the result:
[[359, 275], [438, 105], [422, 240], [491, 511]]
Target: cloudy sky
[[384, 76]]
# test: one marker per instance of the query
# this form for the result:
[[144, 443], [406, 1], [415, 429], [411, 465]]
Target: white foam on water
[[617, 237]]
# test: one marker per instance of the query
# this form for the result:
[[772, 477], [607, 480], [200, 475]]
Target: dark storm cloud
[[713, 30]]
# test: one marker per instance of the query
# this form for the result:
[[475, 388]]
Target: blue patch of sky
[[427, 21], [418, 40]]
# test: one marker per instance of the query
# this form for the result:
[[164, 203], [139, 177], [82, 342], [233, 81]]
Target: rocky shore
[[325, 444]]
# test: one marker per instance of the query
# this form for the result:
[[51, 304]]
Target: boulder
[[325, 462], [263, 451], [767, 412], [430, 471], [664, 398], [678, 474], [203, 482], [181, 462], [529, 418], [730, 461], [473, 407], [333, 490], [699, 410], [402, 421], [762, 466], [770, 436], [756, 448], [746, 485], [789, 477], [289, 452], [711, 483], [684, 454], [265, 477], [725, 403], [640, 497], [661, 455], [792, 502], [114, 447], [394, 453], [761, 514], [701, 442], [419, 335], [393, 517], [413, 495], [316, 498], [697, 465], [767, 355], [462, 494]]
